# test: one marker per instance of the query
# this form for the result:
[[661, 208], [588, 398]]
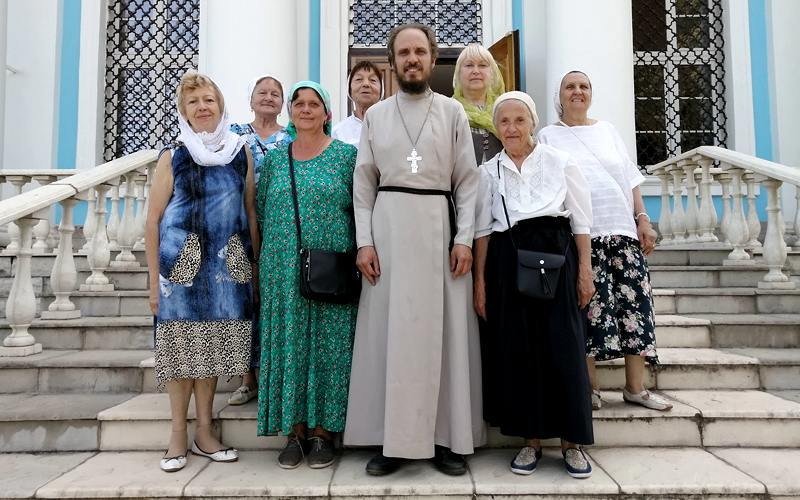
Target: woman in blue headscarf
[[306, 345]]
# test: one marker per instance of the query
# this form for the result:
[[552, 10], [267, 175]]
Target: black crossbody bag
[[537, 272], [325, 275]]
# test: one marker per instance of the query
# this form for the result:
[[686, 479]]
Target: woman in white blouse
[[365, 88], [536, 384], [621, 320]]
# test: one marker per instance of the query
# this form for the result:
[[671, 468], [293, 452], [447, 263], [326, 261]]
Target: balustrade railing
[[28, 215], [695, 222]]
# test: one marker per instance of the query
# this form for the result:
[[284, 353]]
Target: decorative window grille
[[678, 77], [456, 22], [149, 45]]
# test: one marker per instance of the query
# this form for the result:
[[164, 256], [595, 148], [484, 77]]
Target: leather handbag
[[325, 276], [537, 272]]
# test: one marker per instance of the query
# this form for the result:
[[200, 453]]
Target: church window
[[679, 77]]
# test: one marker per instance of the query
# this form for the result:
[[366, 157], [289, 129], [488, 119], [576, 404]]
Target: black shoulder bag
[[537, 272], [325, 276]]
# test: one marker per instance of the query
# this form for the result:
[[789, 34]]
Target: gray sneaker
[[292, 454], [576, 463], [321, 454], [242, 395], [597, 401]]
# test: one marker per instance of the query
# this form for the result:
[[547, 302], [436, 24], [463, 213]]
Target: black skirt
[[535, 380]]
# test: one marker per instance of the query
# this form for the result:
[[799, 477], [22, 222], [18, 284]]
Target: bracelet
[[636, 217]]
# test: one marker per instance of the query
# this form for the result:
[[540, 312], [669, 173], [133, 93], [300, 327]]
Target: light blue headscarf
[[326, 101]]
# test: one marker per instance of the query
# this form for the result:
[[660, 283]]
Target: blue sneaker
[[577, 464], [526, 460]]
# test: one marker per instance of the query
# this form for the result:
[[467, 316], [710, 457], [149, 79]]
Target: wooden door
[[506, 52]]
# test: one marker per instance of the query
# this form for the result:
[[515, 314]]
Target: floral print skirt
[[621, 315]]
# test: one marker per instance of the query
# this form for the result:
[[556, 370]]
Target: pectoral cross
[[414, 158]]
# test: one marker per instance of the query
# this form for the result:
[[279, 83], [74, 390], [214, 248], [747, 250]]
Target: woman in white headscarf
[[533, 197], [200, 235], [621, 319]]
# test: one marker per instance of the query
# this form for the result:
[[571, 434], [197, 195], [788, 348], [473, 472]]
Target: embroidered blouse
[[348, 130], [258, 146], [550, 184]]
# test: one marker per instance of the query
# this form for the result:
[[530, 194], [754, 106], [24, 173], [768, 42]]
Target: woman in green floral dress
[[307, 345]]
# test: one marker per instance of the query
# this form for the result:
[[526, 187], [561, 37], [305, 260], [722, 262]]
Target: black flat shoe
[[380, 465], [448, 462]]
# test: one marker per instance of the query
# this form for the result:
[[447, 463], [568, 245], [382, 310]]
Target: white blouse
[[599, 151], [550, 184], [348, 130]]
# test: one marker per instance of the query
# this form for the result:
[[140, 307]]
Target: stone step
[[622, 472], [128, 279], [42, 263], [70, 371], [706, 276], [124, 422], [747, 330], [106, 304], [690, 301], [93, 332]]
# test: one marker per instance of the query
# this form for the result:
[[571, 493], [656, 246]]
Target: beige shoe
[[597, 401], [647, 399], [242, 395]]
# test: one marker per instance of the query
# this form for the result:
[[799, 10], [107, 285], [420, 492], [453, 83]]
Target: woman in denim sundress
[[200, 225]]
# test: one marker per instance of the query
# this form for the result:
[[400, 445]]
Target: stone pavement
[[640, 472]]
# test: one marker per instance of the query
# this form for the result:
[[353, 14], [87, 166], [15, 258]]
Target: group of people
[[447, 204]]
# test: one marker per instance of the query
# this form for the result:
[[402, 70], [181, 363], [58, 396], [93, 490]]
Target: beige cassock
[[416, 375]]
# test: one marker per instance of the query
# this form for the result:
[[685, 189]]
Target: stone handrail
[[739, 176], [26, 210]]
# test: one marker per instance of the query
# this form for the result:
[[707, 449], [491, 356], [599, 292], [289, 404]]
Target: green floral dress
[[307, 346]]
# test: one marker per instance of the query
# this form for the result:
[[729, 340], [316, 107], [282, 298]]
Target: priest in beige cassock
[[415, 386]]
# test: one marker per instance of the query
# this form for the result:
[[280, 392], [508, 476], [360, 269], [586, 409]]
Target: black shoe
[[380, 465], [292, 454], [321, 454], [448, 462]]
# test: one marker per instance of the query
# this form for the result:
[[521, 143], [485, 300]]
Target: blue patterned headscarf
[[324, 97]]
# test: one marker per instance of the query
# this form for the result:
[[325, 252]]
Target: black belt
[[451, 207]]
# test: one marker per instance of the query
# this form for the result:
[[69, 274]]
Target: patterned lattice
[[679, 77], [149, 45], [456, 22]]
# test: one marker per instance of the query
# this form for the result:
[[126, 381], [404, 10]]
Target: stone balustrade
[[28, 216], [689, 216]]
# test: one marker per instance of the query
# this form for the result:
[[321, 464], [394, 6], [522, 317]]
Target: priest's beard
[[415, 87]]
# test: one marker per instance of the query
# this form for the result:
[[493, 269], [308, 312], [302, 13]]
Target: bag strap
[[294, 201], [587, 148], [505, 210]]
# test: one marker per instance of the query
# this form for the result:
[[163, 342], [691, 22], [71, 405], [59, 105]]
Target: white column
[[64, 277], [737, 229], [272, 50], [596, 38], [89, 224], [796, 224], [691, 200], [127, 231], [753, 224], [707, 215], [112, 225], [774, 246], [141, 212], [21, 302], [725, 181], [42, 229], [99, 255], [664, 221], [3, 41], [13, 231], [678, 217]]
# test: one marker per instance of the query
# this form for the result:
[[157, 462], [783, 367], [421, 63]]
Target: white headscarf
[[211, 148], [557, 96], [519, 96], [251, 87]]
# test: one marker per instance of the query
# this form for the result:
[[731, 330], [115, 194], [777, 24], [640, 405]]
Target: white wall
[[242, 39], [536, 56], [32, 93], [738, 77], [785, 41], [91, 90]]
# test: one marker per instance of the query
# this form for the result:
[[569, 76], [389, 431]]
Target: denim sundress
[[203, 328]]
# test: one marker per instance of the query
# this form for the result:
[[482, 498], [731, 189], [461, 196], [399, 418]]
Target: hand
[[154, 299], [647, 236], [479, 298], [367, 262], [585, 286], [460, 260]]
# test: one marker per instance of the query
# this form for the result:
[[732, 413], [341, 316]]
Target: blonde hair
[[476, 51], [192, 80]]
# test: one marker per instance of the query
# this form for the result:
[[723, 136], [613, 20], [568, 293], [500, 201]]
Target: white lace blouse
[[599, 151], [550, 184], [348, 130]]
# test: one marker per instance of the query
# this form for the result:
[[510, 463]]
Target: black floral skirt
[[621, 316]]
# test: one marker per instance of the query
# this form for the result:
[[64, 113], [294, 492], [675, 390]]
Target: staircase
[[82, 419]]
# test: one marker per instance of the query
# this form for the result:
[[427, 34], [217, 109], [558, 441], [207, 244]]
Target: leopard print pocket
[[237, 262], [188, 262]]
